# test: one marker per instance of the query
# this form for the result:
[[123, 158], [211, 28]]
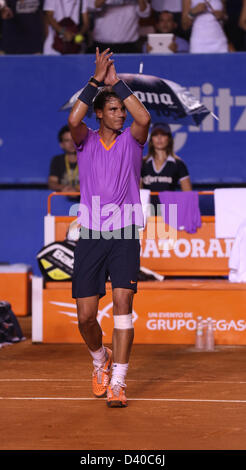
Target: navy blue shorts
[[96, 259]]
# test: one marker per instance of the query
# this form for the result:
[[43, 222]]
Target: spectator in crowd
[[64, 169], [242, 23], [6, 12], [116, 24], [162, 170], [233, 30], [174, 6], [205, 18], [166, 24], [63, 20], [22, 27]]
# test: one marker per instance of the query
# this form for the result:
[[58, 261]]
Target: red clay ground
[[178, 399]]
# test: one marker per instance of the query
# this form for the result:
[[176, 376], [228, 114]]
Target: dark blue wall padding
[[34, 88]]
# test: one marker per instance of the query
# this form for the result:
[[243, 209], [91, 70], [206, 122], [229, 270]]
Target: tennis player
[[109, 161]]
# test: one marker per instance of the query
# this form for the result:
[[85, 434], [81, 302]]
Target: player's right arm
[[78, 128]]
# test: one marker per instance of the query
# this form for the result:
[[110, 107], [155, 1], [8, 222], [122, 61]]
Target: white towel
[[230, 211], [237, 260], [145, 201]]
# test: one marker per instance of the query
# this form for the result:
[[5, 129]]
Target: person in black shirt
[[64, 175], [23, 27], [162, 170]]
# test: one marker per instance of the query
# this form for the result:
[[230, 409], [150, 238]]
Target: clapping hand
[[111, 76], [103, 62]]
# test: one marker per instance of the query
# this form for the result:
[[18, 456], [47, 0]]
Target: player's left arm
[[141, 123]]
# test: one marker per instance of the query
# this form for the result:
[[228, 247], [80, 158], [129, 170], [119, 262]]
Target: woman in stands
[[205, 18], [162, 170]]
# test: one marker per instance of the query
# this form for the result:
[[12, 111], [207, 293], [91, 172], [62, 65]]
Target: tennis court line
[[129, 380], [182, 400]]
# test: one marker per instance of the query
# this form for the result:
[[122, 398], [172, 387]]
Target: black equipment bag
[[10, 330], [56, 261]]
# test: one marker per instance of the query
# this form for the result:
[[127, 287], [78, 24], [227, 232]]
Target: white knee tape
[[123, 322]]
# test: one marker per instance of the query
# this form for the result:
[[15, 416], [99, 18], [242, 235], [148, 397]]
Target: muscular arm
[[78, 128], [141, 123]]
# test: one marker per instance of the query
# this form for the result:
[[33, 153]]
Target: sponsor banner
[[199, 253], [162, 314], [216, 80]]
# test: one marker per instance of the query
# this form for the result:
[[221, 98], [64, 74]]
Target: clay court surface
[[178, 399]]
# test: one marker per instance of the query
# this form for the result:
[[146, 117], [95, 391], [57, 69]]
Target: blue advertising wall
[[32, 90]]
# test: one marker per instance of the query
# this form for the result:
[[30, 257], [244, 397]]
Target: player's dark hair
[[62, 131], [103, 96]]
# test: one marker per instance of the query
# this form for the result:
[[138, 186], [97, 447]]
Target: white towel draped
[[237, 260], [230, 211], [145, 201]]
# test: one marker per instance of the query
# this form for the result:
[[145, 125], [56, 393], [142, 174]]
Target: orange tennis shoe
[[116, 397], [100, 377]]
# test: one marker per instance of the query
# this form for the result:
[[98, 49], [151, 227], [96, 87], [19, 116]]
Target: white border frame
[[37, 309]]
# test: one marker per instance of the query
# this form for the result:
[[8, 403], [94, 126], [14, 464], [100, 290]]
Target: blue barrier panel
[[22, 214], [34, 88]]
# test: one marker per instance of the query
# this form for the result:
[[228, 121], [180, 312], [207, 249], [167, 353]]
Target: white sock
[[99, 356], [119, 372]]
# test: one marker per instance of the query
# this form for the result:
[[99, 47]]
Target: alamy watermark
[[127, 221]]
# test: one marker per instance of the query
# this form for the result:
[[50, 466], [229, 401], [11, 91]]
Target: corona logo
[[154, 98]]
